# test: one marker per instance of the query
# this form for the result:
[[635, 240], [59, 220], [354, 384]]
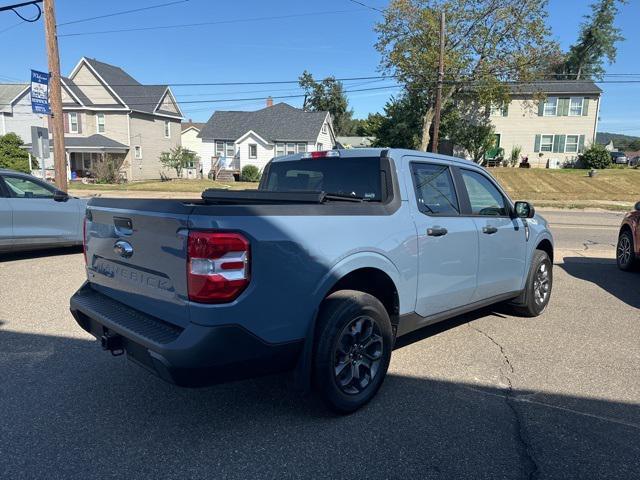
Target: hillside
[[620, 141]]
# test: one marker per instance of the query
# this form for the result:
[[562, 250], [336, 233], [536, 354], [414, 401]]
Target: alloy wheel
[[541, 284], [624, 250]]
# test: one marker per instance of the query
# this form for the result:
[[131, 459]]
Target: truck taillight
[[217, 267]]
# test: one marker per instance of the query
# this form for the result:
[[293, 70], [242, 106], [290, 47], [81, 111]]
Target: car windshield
[[357, 177]]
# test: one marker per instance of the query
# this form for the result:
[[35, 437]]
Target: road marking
[[583, 227], [526, 399]]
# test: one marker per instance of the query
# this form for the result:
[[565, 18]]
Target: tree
[[327, 96], [12, 155], [597, 42], [487, 42], [477, 139], [178, 158], [401, 123], [367, 127], [596, 156]]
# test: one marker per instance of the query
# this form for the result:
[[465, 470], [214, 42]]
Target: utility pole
[[55, 95], [436, 120]]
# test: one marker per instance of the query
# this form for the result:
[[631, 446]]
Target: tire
[[354, 341], [537, 291], [625, 253]]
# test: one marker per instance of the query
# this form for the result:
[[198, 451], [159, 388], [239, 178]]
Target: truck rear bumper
[[192, 356]]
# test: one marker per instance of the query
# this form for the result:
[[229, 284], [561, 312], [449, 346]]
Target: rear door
[[502, 239], [37, 218], [137, 254], [447, 241], [6, 220]]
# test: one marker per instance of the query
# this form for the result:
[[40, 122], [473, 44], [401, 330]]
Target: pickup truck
[[318, 271]]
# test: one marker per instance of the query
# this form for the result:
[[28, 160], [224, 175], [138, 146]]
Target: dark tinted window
[[20, 187], [435, 192], [358, 177], [484, 197]]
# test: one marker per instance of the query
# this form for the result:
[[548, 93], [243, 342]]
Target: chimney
[[269, 102]]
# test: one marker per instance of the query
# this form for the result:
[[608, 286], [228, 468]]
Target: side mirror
[[637, 206], [524, 210], [60, 196]]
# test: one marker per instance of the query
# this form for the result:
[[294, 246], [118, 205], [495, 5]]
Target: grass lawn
[[614, 189]]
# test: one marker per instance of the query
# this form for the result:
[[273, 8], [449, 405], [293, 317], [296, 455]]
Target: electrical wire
[[375, 9], [124, 12]]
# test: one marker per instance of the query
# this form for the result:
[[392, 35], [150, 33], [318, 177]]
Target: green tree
[[596, 156], [12, 155], [367, 127], [487, 42], [328, 96], [178, 158], [476, 138], [597, 42]]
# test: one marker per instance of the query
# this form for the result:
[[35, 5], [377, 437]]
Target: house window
[[219, 149], [319, 147], [324, 128], [167, 129], [230, 149], [73, 122], [546, 143], [100, 122], [551, 107], [280, 149], [499, 110], [571, 144], [302, 147], [575, 107], [291, 148], [253, 150], [137, 152]]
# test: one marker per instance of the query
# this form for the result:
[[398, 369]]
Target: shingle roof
[[93, 141], [76, 91], [187, 125], [143, 98], [556, 86], [9, 91], [279, 122]]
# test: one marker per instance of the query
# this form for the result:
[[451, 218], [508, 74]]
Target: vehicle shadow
[[70, 412], [605, 273], [47, 252]]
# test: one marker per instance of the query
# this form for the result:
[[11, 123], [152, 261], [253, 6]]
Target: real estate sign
[[40, 92]]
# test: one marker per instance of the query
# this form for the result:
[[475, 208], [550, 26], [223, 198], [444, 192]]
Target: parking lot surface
[[486, 395]]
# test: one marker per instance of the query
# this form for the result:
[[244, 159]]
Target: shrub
[[516, 150], [107, 169], [595, 156], [250, 173], [12, 155]]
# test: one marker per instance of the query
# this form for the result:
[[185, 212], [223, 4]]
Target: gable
[[168, 105], [67, 98], [93, 88]]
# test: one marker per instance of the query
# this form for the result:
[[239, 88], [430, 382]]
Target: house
[[15, 111], [232, 139], [356, 142], [191, 141], [552, 130]]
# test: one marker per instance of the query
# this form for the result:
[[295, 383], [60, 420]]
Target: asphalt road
[[486, 395]]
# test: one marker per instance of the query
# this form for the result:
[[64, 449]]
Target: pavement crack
[[526, 450]]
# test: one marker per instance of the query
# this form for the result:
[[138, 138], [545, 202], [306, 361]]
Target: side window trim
[[416, 194], [505, 198], [4, 191]]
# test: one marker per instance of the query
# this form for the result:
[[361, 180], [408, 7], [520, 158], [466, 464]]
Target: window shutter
[[79, 122], [65, 116], [563, 107], [581, 144], [505, 110], [536, 145], [556, 143], [561, 141], [585, 107], [541, 108]]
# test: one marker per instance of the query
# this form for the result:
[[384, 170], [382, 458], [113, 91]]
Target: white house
[[232, 140]]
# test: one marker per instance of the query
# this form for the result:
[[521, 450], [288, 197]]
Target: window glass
[[253, 150], [230, 150], [25, 188], [319, 147], [279, 149], [546, 143], [100, 120], [484, 197], [434, 189], [575, 107], [137, 151], [302, 147], [219, 149], [499, 110], [291, 148], [550, 106], [571, 144], [167, 129], [73, 122]]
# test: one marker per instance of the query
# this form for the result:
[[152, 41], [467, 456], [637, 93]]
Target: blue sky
[[338, 43]]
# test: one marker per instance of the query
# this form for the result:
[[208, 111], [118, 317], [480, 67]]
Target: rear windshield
[[357, 177]]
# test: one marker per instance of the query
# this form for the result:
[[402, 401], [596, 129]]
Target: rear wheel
[[353, 349], [625, 253], [538, 288]]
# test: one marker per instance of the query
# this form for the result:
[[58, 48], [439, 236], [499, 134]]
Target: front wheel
[[625, 255], [538, 288], [353, 349]]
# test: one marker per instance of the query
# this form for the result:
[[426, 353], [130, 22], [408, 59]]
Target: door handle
[[436, 231], [489, 230]]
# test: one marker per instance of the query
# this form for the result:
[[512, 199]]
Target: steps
[[225, 176]]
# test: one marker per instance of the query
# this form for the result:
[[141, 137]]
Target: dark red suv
[[628, 249]]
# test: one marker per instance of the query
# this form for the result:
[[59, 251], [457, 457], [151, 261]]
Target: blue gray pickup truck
[[318, 271]]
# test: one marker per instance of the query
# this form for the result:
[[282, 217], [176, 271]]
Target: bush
[[250, 173], [107, 169], [516, 150], [595, 156], [12, 155]]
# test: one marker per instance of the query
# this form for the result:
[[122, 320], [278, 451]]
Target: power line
[[375, 9], [124, 12], [14, 9], [201, 24]]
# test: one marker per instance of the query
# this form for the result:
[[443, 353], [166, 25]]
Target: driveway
[[486, 395]]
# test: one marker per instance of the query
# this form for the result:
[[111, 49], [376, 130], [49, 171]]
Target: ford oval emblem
[[122, 248]]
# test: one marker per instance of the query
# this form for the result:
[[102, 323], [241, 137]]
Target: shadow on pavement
[[47, 252], [605, 273], [69, 410]]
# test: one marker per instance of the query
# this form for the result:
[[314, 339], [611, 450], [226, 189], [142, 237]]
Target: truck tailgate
[[136, 254]]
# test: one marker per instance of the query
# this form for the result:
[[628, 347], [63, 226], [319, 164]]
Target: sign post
[[40, 93]]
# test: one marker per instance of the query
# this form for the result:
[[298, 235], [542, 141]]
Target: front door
[[37, 218], [502, 239], [447, 241]]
